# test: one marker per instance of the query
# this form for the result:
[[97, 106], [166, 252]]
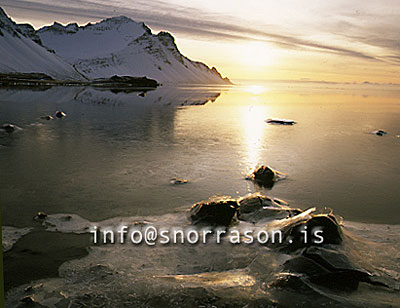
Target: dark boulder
[[329, 269], [318, 230], [379, 132], [214, 213], [60, 114], [266, 176], [8, 128], [280, 121], [40, 216]]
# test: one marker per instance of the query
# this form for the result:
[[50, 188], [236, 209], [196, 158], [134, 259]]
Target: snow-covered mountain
[[21, 51], [121, 46]]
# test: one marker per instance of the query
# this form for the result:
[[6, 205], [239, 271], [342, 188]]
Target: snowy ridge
[[121, 46], [21, 51], [113, 46], [93, 40]]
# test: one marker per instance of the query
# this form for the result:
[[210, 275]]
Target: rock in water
[[280, 121], [142, 94], [60, 114], [256, 207], [214, 213], [266, 176], [320, 229], [48, 117], [176, 181], [379, 132], [40, 215], [8, 128]]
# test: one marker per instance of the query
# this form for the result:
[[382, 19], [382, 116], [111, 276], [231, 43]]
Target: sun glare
[[255, 89], [256, 54], [253, 124]]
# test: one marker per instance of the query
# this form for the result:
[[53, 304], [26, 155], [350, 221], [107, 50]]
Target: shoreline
[[42, 81]]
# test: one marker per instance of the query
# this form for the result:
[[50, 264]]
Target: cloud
[[191, 22]]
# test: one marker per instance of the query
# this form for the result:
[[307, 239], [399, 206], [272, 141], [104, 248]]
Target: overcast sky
[[336, 40]]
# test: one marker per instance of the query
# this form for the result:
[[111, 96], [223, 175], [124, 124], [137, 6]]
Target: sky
[[335, 40]]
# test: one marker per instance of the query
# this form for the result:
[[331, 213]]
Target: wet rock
[[176, 181], [329, 258], [266, 176], [8, 128], [379, 132], [280, 121], [309, 271], [33, 287], [328, 268], [256, 207], [28, 300], [60, 114], [47, 117], [214, 213], [142, 94], [318, 230], [40, 215]]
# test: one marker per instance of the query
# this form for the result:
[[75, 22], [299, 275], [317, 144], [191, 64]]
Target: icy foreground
[[114, 46]]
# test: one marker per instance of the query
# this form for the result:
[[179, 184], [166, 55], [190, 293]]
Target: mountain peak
[[3, 16], [5, 20], [114, 46], [118, 19], [92, 40], [8, 25]]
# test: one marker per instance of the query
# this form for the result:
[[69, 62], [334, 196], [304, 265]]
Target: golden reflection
[[256, 89], [253, 128]]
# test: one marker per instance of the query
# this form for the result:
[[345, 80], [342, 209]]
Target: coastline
[[40, 81]]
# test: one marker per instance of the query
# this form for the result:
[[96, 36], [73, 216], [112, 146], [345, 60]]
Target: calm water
[[114, 154]]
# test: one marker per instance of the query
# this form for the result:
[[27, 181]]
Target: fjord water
[[114, 154]]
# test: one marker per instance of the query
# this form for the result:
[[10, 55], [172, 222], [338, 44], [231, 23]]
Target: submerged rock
[[280, 121], [379, 132], [8, 128], [256, 207], [60, 114], [40, 215], [176, 181], [214, 213], [266, 176], [48, 117]]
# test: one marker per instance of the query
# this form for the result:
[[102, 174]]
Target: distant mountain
[[21, 50], [114, 46], [121, 46]]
